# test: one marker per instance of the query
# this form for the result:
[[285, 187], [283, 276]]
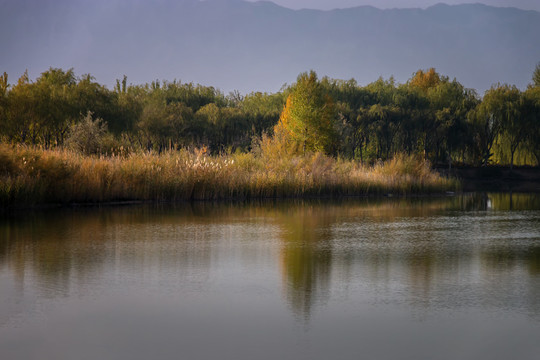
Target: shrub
[[87, 136]]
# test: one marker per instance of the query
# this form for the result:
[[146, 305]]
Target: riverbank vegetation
[[430, 115], [37, 176], [70, 139]]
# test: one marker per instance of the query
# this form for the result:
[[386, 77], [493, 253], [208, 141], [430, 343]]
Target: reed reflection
[[63, 248]]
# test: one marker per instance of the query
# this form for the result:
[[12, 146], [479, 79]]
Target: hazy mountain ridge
[[259, 46]]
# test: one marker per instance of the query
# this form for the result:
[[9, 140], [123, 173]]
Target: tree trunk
[[512, 151]]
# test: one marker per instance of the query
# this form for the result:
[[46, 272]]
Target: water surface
[[429, 278]]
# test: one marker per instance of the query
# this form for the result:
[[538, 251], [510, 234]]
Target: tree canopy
[[430, 115], [308, 117]]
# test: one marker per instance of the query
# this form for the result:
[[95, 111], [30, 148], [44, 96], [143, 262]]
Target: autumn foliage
[[307, 122]]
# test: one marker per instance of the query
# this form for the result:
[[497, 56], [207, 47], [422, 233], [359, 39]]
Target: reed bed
[[30, 176]]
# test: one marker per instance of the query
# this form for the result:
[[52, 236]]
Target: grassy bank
[[30, 176]]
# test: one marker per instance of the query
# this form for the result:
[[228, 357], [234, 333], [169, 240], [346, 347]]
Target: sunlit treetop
[[425, 80]]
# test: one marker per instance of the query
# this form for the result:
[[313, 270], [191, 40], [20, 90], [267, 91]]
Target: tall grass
[[34, 176]]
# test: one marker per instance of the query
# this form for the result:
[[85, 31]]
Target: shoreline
[[31, 177], [237, 201], [495, 178], [34, 178], [221, 201]]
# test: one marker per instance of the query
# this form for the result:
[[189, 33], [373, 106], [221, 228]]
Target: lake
[[453, 277]]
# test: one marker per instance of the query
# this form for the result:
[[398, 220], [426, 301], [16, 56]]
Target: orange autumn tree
[[307, 120], [425, 80]]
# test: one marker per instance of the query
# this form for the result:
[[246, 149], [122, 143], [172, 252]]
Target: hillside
[[247, 46]]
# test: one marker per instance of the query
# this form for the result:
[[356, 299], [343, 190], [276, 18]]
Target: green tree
[[19, 124], [536, 76], [308, 117], [88, 95], [235, 130], [262, 111], [412, 119], [384, 126], [4, 85], [87, 135], [494, 113], [516, 119], [164, 125], [350, 102], [40, 111], [532, 137], [450, 103], [210, 121]]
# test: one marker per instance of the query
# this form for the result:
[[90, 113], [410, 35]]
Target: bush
[[87, 136]]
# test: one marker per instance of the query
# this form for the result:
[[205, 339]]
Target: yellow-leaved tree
[[425, 80], [307, 122]]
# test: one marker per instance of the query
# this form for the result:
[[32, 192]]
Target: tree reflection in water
[[306, 256], [425, 251]]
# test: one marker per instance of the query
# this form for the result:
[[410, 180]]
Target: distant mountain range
[[234, 44]]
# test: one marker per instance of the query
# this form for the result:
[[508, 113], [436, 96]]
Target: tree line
[[430, 115]]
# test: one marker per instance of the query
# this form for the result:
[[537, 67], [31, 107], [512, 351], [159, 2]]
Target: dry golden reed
[[35, 176]]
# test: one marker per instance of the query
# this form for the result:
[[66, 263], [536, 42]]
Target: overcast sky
[[384, 4]]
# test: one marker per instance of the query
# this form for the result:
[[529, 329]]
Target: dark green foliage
[[430, 115], [87, 135], [536, 75]]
